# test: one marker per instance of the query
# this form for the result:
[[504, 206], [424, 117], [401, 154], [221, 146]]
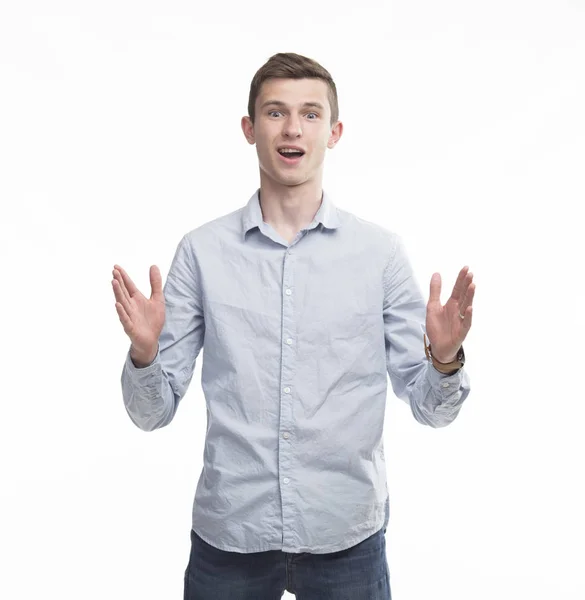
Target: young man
[[304, 310]]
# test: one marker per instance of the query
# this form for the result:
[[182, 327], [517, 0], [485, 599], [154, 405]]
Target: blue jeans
[[357, 573]]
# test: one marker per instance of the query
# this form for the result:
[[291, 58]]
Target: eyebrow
[[283, 104]]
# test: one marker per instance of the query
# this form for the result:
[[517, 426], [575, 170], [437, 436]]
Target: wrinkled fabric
[[298, 341]]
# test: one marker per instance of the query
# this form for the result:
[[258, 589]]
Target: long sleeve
[[152, 394], [435, 398]]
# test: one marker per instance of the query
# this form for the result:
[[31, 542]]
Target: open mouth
[[291, 157]]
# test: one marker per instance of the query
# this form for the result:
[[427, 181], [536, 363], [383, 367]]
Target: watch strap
[[449, 368]]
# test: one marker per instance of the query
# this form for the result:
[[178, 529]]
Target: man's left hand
[[445, 327]]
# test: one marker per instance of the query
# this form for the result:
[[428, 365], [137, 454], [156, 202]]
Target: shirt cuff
[[442, 380], [136, 371]]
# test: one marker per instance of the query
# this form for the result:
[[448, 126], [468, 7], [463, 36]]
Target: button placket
[[288, 365]]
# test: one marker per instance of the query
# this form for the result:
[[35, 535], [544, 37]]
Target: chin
[[292, 180]]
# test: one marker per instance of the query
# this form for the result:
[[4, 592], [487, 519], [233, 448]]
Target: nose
[[292, 126]]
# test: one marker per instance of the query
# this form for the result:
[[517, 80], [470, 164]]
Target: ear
[[248, 129], [336, 132]]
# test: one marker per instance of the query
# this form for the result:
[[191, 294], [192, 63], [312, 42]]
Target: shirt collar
[[327, 215]]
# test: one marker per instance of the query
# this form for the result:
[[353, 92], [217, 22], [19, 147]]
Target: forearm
[[148, 396], [142, 359]]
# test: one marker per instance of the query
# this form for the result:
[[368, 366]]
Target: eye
[[273, 112], [316, 115]]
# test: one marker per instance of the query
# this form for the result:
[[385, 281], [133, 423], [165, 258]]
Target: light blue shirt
[[299, 339]]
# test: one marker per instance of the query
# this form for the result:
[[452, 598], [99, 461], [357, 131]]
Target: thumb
[[155, 283], [435, 291]]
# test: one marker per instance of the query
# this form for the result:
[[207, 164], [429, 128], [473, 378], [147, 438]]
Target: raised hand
[[142, 318], [447, 326]]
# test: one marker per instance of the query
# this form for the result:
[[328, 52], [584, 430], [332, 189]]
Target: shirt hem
[[348, 543]]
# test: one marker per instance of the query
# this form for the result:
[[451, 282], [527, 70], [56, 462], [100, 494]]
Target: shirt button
[[445, 384], [286, 435], [287, 390], [286, 480], [288, 292], [289, 341]]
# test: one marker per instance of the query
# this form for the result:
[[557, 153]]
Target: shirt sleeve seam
[[195, 274], [390, 262]]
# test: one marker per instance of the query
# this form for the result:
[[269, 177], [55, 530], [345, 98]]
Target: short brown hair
[[288, 65]]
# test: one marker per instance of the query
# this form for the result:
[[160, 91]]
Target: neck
[[290, 207]]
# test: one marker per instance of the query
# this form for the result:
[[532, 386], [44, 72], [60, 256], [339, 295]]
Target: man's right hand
[[142, 318]]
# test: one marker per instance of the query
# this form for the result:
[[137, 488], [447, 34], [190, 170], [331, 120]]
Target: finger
[[128, 283], [121, 296], [155, 283], [460, 286], [466, 322], [467, 299], [121, 286], [124, 318], [435, 289], [469, 295]]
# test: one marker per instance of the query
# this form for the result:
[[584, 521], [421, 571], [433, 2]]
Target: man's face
[[292, 113]]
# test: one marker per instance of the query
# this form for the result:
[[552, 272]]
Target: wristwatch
[[447, 368]]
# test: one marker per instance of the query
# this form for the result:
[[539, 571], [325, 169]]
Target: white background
[[120, 132]]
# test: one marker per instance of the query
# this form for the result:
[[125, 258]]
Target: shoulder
[[217, 231], [374, 236]]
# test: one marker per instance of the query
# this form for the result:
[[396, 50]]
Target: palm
[[445, 328], [142, 318], [147, 316]]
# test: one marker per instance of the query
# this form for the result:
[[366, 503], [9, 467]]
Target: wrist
[[142, 359], [445, 361], [443, 364]]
